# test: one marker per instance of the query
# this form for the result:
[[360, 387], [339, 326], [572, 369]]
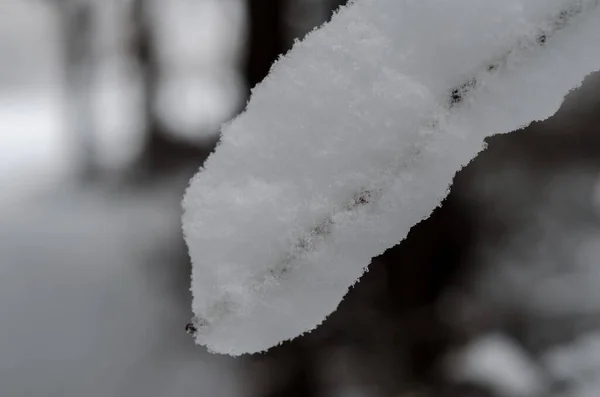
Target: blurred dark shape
[[161, 153], [465, 390], [266, 38], [77, 23]]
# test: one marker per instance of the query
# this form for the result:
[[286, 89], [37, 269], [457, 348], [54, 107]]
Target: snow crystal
[[353, 138]]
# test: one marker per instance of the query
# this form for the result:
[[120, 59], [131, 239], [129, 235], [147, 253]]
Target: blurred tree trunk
[[267, 38], [77, 23], [161, 152], [270, 33]]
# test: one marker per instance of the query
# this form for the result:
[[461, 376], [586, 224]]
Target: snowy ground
[[93, 289], [89, 302]]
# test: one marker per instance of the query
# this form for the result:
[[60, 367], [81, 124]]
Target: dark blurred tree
[[269, 33], [77, 28], [267, 38], [162, 153]]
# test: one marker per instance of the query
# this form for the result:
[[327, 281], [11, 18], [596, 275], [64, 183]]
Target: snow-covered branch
[[353, 138]]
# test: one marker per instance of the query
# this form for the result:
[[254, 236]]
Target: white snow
[[351, 140]]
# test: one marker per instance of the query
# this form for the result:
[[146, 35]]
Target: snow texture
[[353, 138]]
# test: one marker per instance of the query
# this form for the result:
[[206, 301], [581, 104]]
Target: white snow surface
[[350, 141]]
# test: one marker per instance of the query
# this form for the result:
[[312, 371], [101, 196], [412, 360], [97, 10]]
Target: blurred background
[[108, 107]]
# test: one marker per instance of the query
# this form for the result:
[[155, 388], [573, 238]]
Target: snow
[[352, 139]]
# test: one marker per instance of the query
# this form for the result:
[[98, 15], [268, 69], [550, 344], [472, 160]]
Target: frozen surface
[[352, 139]]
